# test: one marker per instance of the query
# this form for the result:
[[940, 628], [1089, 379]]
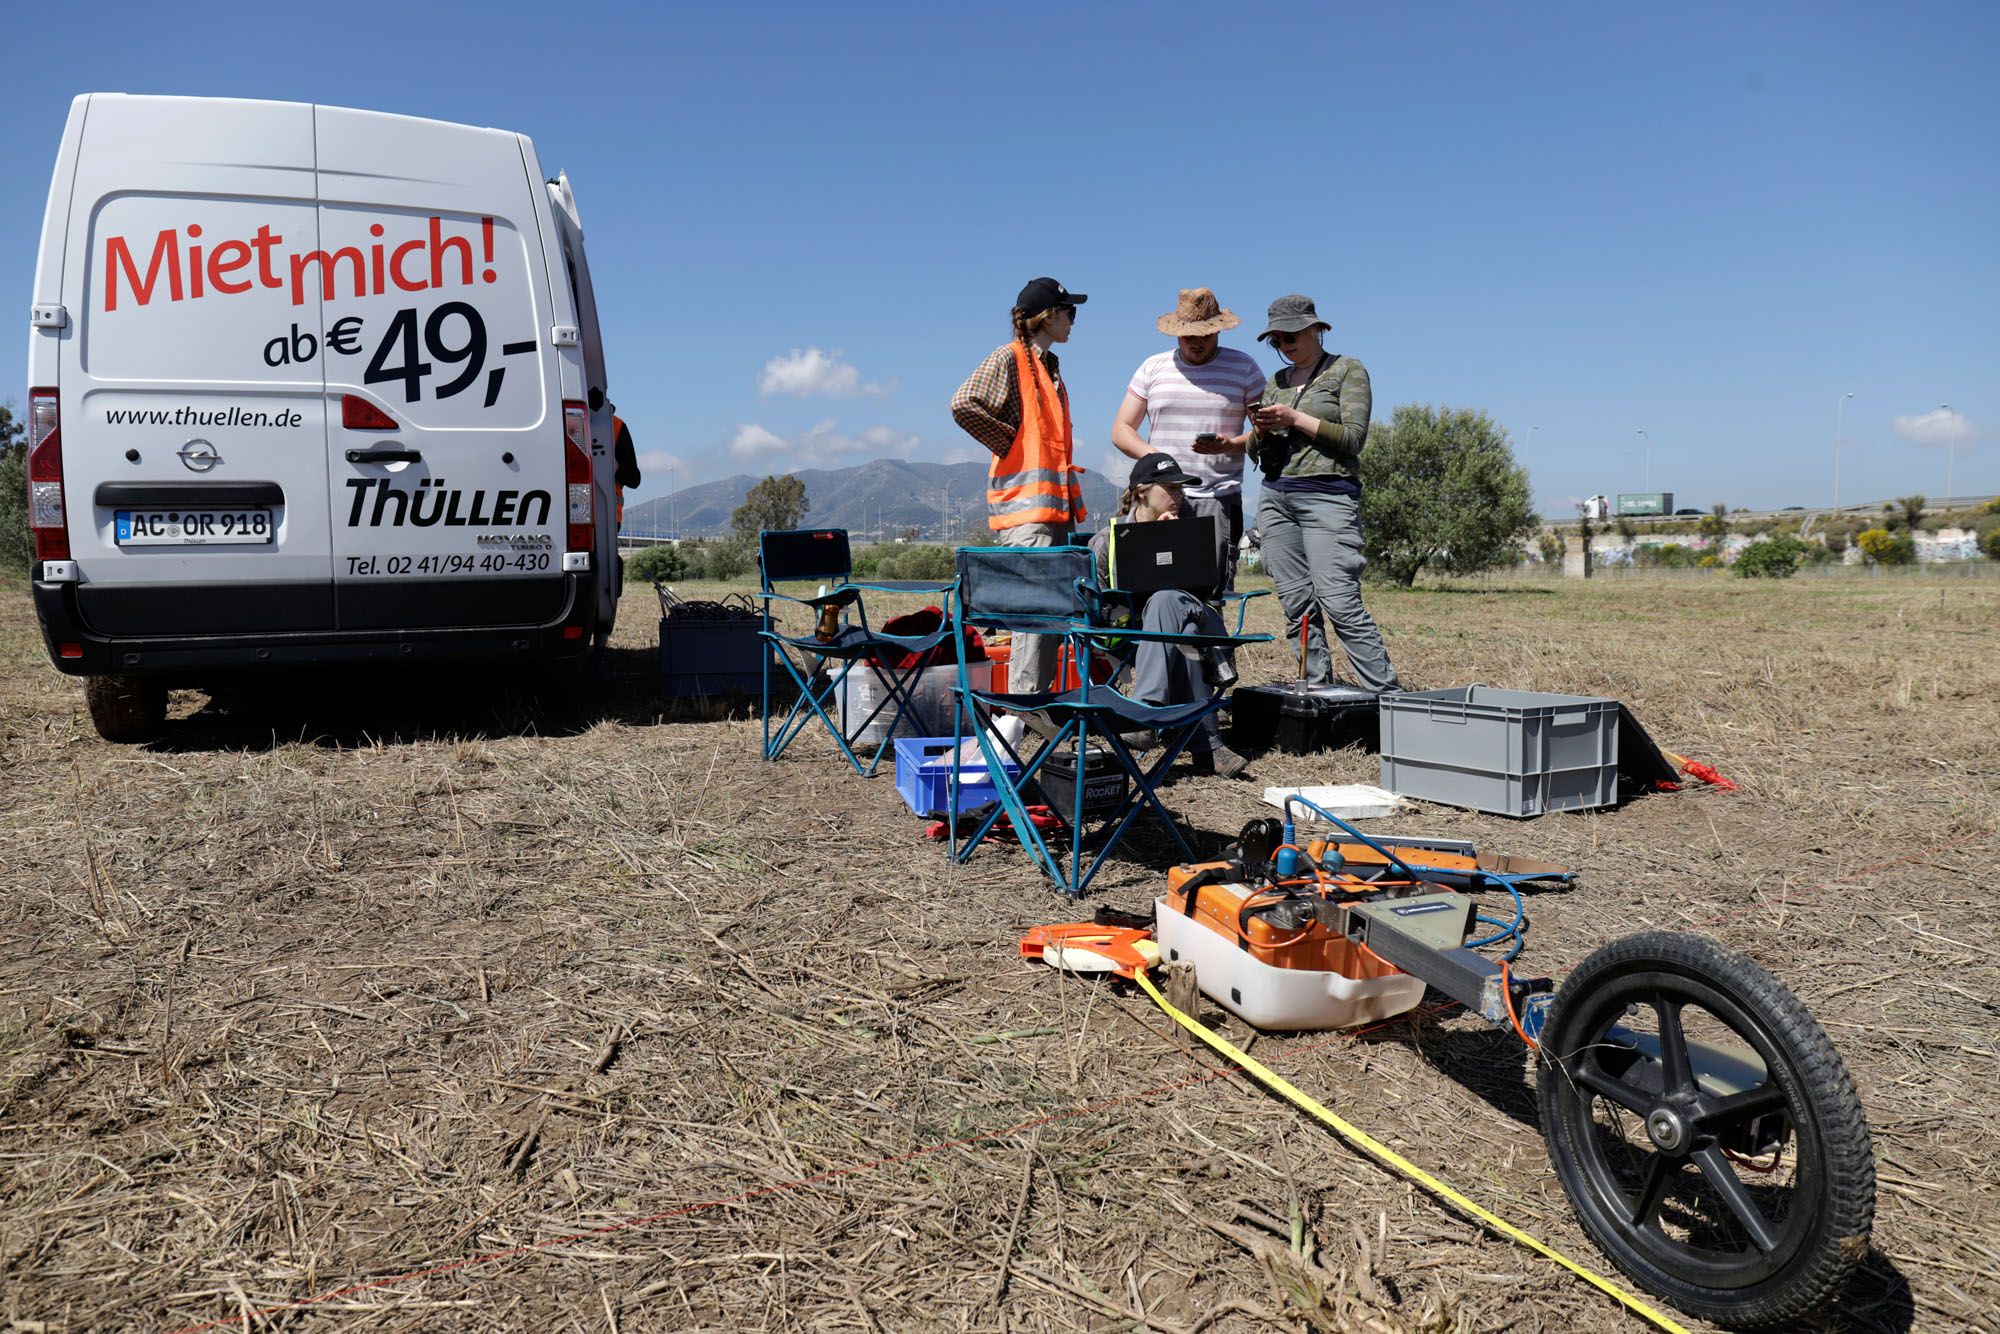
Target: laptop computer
[[1167, 553]]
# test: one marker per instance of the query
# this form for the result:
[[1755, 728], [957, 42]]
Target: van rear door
[[193, 406], [445, 457], [576, 269]]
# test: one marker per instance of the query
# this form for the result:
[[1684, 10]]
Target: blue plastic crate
[[929, 789]]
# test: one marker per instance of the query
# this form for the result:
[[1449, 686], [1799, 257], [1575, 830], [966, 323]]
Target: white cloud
[[891, 442], [1937, 428], [804, 374], [965, 454], [660, 461], [823, 445], [751, 440]]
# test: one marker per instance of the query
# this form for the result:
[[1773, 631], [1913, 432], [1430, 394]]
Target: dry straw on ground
[[356, 980]]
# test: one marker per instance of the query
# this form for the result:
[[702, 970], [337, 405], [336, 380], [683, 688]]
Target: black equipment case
[[1302, 720]]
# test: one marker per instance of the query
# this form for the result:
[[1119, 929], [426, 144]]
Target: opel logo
[[199, 455]]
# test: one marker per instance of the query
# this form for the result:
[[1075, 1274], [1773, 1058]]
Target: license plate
[[191, 528]]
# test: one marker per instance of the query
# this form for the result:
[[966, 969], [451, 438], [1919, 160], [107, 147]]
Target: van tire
[[126, 708]]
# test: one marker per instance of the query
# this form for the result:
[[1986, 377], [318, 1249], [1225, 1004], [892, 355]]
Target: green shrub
[[1887, 548], [1778, 558], [730, 558], [867, 562], [663, 564], [1666, 556], [1993, 544], [927, 562]]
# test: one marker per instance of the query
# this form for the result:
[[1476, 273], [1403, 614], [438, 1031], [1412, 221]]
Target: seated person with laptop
[[1169, 570]]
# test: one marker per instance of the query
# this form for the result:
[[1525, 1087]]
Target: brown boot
[[1222, 760]]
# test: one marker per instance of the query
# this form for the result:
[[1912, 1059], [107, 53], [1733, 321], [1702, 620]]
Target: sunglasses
[[1285, 339], [1067, 310]]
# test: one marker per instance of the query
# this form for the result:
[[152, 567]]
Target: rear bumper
[[79, 650]]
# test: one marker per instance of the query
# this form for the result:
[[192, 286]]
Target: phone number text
[[491, 562]]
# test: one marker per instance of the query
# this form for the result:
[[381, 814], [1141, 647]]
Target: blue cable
[[1324, 814], [1514, 928], [1513, 931]]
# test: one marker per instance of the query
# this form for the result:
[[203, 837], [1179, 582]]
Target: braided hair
[[1027, 326]]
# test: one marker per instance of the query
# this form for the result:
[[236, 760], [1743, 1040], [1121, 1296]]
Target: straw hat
[[1197, 314]]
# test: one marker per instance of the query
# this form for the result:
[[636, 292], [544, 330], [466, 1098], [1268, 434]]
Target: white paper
[[1349, 801]]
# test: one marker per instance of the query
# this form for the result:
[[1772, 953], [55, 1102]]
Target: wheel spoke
[[1593, 1077], [1740, 1107], [1726, 1183], [1659, 1178], [1678, 1075]]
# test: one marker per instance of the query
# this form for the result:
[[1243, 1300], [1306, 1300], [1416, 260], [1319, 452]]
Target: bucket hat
[[1197, 313], [1289, 314]]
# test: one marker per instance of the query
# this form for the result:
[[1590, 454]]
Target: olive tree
[[16, 549], [774, 504], [1440, 490]]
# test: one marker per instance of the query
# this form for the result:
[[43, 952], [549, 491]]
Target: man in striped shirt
[[1197, 397]]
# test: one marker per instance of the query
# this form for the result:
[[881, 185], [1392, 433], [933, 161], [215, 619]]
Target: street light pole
[[1950, 452], [1839, 418], [1649, 457]]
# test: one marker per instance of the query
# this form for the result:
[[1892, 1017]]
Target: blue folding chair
[[1242, 601], [822, 556], [1054, 591]]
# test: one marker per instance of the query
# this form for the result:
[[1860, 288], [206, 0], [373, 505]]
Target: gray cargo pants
[[1167, 673], [1031, 664], [1312, 548]]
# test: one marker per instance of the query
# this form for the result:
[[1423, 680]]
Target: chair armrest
[[839, 597], [1242, 601], [901, 586], [1096, 632]]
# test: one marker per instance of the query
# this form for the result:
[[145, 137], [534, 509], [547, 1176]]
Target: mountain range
[[879, 500]]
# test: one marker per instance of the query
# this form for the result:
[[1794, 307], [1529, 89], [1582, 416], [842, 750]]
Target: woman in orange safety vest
[[1017, 406]]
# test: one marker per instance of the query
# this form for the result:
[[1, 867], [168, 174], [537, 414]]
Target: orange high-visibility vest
[[1034, 481], [617, 427]]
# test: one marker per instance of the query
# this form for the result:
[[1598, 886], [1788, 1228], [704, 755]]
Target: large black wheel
[[125, 708], [1706, 1131]]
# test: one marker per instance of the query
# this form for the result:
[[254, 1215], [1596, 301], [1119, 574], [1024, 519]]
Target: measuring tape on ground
[[1390, 1158]]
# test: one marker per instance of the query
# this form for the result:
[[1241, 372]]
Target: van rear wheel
[[126, 708]]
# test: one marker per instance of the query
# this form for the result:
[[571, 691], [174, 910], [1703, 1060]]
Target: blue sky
[[1707, 222]]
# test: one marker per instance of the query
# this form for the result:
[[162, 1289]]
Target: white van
[[309, 385]]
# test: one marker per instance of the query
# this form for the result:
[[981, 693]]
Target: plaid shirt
[[988, 404]]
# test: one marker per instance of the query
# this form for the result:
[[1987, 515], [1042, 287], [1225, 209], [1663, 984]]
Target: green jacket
[[1339, 396]]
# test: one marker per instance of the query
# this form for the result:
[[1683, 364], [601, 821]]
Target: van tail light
[[358, 414], [576, 473], [47, 515]]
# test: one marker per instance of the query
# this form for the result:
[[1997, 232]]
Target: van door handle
[[384, 454]]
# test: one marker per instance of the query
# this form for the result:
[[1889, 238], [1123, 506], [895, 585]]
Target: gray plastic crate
[[1511, 752]]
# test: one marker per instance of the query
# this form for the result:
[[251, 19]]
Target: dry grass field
[[374, 1004]]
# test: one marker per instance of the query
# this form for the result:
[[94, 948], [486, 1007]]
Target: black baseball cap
[[1158, 470], [1045, 294]]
